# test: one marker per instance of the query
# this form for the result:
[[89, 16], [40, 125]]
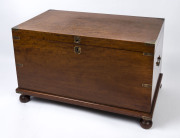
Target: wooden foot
[[146, 124], [24, 98]]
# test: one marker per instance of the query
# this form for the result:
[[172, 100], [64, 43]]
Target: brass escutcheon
[[77, 39], [147, 85], [19, 65], [77, 50]]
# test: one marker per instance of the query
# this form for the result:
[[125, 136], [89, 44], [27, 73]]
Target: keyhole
[[77, 39], [77, 49]]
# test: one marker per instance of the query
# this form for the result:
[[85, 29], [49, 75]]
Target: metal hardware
[[150, 44], [19, 65], [18, 92], [15, 28], [148, 54], [147, 85], [77, 50], [16, 37], [77, 39], [146, 118], [158, 61]]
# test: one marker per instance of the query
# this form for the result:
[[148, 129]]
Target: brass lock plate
[[77, 50], [77, 39]]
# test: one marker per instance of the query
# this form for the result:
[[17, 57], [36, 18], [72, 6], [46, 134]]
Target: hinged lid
[[115, 31]]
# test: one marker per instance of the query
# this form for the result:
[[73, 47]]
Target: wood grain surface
[[157, 53], [116, 27], [27, 35], [102, 75], [111, 67], [124, 111], [82, 103]]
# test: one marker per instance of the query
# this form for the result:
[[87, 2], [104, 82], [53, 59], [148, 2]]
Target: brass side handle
[[158, 61], [77, 50]]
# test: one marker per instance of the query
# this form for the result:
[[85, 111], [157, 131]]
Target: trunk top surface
[[92, 25]]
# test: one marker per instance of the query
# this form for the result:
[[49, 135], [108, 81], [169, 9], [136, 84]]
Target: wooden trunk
[[101, 61]]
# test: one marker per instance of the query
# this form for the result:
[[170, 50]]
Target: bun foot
[[24, 98], [146, 124]]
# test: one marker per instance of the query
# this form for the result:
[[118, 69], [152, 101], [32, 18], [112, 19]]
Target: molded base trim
[[118, 110]]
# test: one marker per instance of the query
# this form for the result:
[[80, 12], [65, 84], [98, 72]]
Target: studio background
[[43, 118]]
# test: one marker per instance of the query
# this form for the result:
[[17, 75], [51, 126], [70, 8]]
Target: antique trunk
[[101, 61]]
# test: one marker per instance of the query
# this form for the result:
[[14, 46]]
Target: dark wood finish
[[158, 86], [101, 61], [146, 121], [116, 27], [74, 101], [146, 124], [124, 32], [27, 35], [145, 118], [109, 82], [158, 53], [24, 98]]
